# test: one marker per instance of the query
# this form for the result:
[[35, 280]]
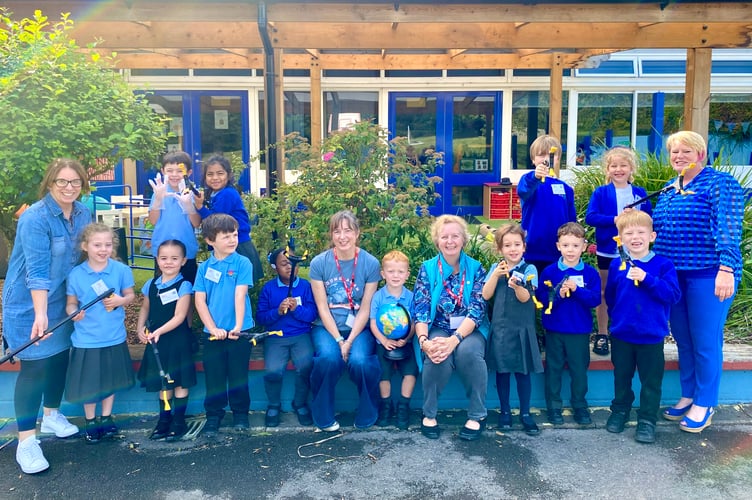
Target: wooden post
[[316, 104], [697, 92], [555, 100]]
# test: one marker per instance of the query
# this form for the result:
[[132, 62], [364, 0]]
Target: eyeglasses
[[61, 183]]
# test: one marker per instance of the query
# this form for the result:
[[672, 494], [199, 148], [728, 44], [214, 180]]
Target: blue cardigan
[[601, 212]]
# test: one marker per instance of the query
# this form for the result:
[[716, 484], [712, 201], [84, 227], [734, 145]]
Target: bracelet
[[730, 271], [459, 336], [339, 339], [422, 339]]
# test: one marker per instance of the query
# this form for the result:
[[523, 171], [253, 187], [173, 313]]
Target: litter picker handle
[[51, 329]]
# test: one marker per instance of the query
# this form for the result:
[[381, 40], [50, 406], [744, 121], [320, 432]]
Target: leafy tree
[[58, 100]]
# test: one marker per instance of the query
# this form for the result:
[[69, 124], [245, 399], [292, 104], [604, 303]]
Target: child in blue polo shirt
[[568, 290], [172, 211], [639, 299], [395, 269], [286, 303], [222, 303], [547, 203], [99, 337]]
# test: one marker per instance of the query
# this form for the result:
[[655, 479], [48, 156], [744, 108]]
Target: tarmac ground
[[289, 461]]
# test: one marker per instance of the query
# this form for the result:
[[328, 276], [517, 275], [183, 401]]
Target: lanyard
[[457, 298], [348, 290]]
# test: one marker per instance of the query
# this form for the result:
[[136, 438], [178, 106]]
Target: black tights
[[38, 378], [524, 389]]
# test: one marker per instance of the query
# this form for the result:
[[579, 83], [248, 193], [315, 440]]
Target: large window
[[729, 131], [673, 115], [342, 108], [530, 114], [603, 121]]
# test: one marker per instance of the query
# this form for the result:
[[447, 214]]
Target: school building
[[475, 80]]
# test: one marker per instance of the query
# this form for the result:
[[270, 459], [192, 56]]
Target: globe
[[393, 321]]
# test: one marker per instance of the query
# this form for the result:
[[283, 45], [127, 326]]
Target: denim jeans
[[328, 366], [277, 352]]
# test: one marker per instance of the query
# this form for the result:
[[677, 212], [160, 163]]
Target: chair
[[112, 218], [127, 200]]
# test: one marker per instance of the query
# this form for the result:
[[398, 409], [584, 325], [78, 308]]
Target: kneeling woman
[[451, 326]]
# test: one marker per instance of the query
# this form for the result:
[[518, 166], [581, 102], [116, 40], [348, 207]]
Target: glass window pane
[[472, 134], [221, 126], [467, 196], [603, 120], [344, 107], [415, 118], [530, 111], [298, 113], [673, 115], [729, 132]]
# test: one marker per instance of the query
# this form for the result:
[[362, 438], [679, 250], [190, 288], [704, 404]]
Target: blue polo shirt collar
[[89, 270], [563, 267], [647, 258], [282, 285]]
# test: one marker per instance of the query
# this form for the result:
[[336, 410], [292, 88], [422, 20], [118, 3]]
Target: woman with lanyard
[[344, 279], [451, 326]]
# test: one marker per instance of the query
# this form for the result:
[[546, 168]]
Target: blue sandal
[[693, 426], [676, 414]]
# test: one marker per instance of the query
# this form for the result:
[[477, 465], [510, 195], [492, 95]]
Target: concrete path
[[561, 463]]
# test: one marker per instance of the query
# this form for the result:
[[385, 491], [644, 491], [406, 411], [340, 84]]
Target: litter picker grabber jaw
[[10, 355], [624, 256], [294, 261]]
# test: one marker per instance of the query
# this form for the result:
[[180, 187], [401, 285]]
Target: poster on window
[[221, 119]]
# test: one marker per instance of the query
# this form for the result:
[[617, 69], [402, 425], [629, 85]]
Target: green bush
[[358, 169]]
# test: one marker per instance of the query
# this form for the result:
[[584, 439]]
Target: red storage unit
[[500, 201]]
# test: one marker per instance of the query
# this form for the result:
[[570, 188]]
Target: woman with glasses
[[45, 250]]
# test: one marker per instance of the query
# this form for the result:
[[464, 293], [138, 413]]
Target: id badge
[[455, 322], [519, 277], [100, 287], [578, 280], [213, 275], [350, 320], [299, 301], [558, 189], [169, 297]]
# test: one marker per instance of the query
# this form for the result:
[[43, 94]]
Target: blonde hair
[[633, 218], [443, 220], [95, 228], [511, 228], [395, 256], [542, 146], [688, 138], [624, 152]]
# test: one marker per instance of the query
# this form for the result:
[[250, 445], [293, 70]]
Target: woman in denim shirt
[[45, 250]]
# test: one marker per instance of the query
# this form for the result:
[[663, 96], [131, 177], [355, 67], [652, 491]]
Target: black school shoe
[[93, 432], [386, 410], [304, 415], [178, 428], [505, 420], [403, 415], [616, 421], [107, 427], [529, 425], [161, 430], [272, 416], [555, 416], [645, 432], [473, 434], [582, 416], [212, 427]]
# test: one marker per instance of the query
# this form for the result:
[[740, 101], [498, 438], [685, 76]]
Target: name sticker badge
[[213, 275], [350, 320], [519, 277], [455, 322], [557, 189], [578, 280], [299, 300], [169, 297], [100, 287]]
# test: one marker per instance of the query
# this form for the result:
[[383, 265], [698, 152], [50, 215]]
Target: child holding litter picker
[[639, 297], [568, 291], [222, 303], [167, 366], [510, 287], [100, 364], [286, 303], [606, 203]]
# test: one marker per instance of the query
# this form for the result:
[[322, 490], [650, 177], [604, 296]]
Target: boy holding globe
[[389, 305]]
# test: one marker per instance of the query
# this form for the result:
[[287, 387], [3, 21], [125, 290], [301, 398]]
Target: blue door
[[466, 128], [203, 123]]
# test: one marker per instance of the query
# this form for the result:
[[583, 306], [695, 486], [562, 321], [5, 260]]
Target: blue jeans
[[328, 366], [697, 322], [277, 352]]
